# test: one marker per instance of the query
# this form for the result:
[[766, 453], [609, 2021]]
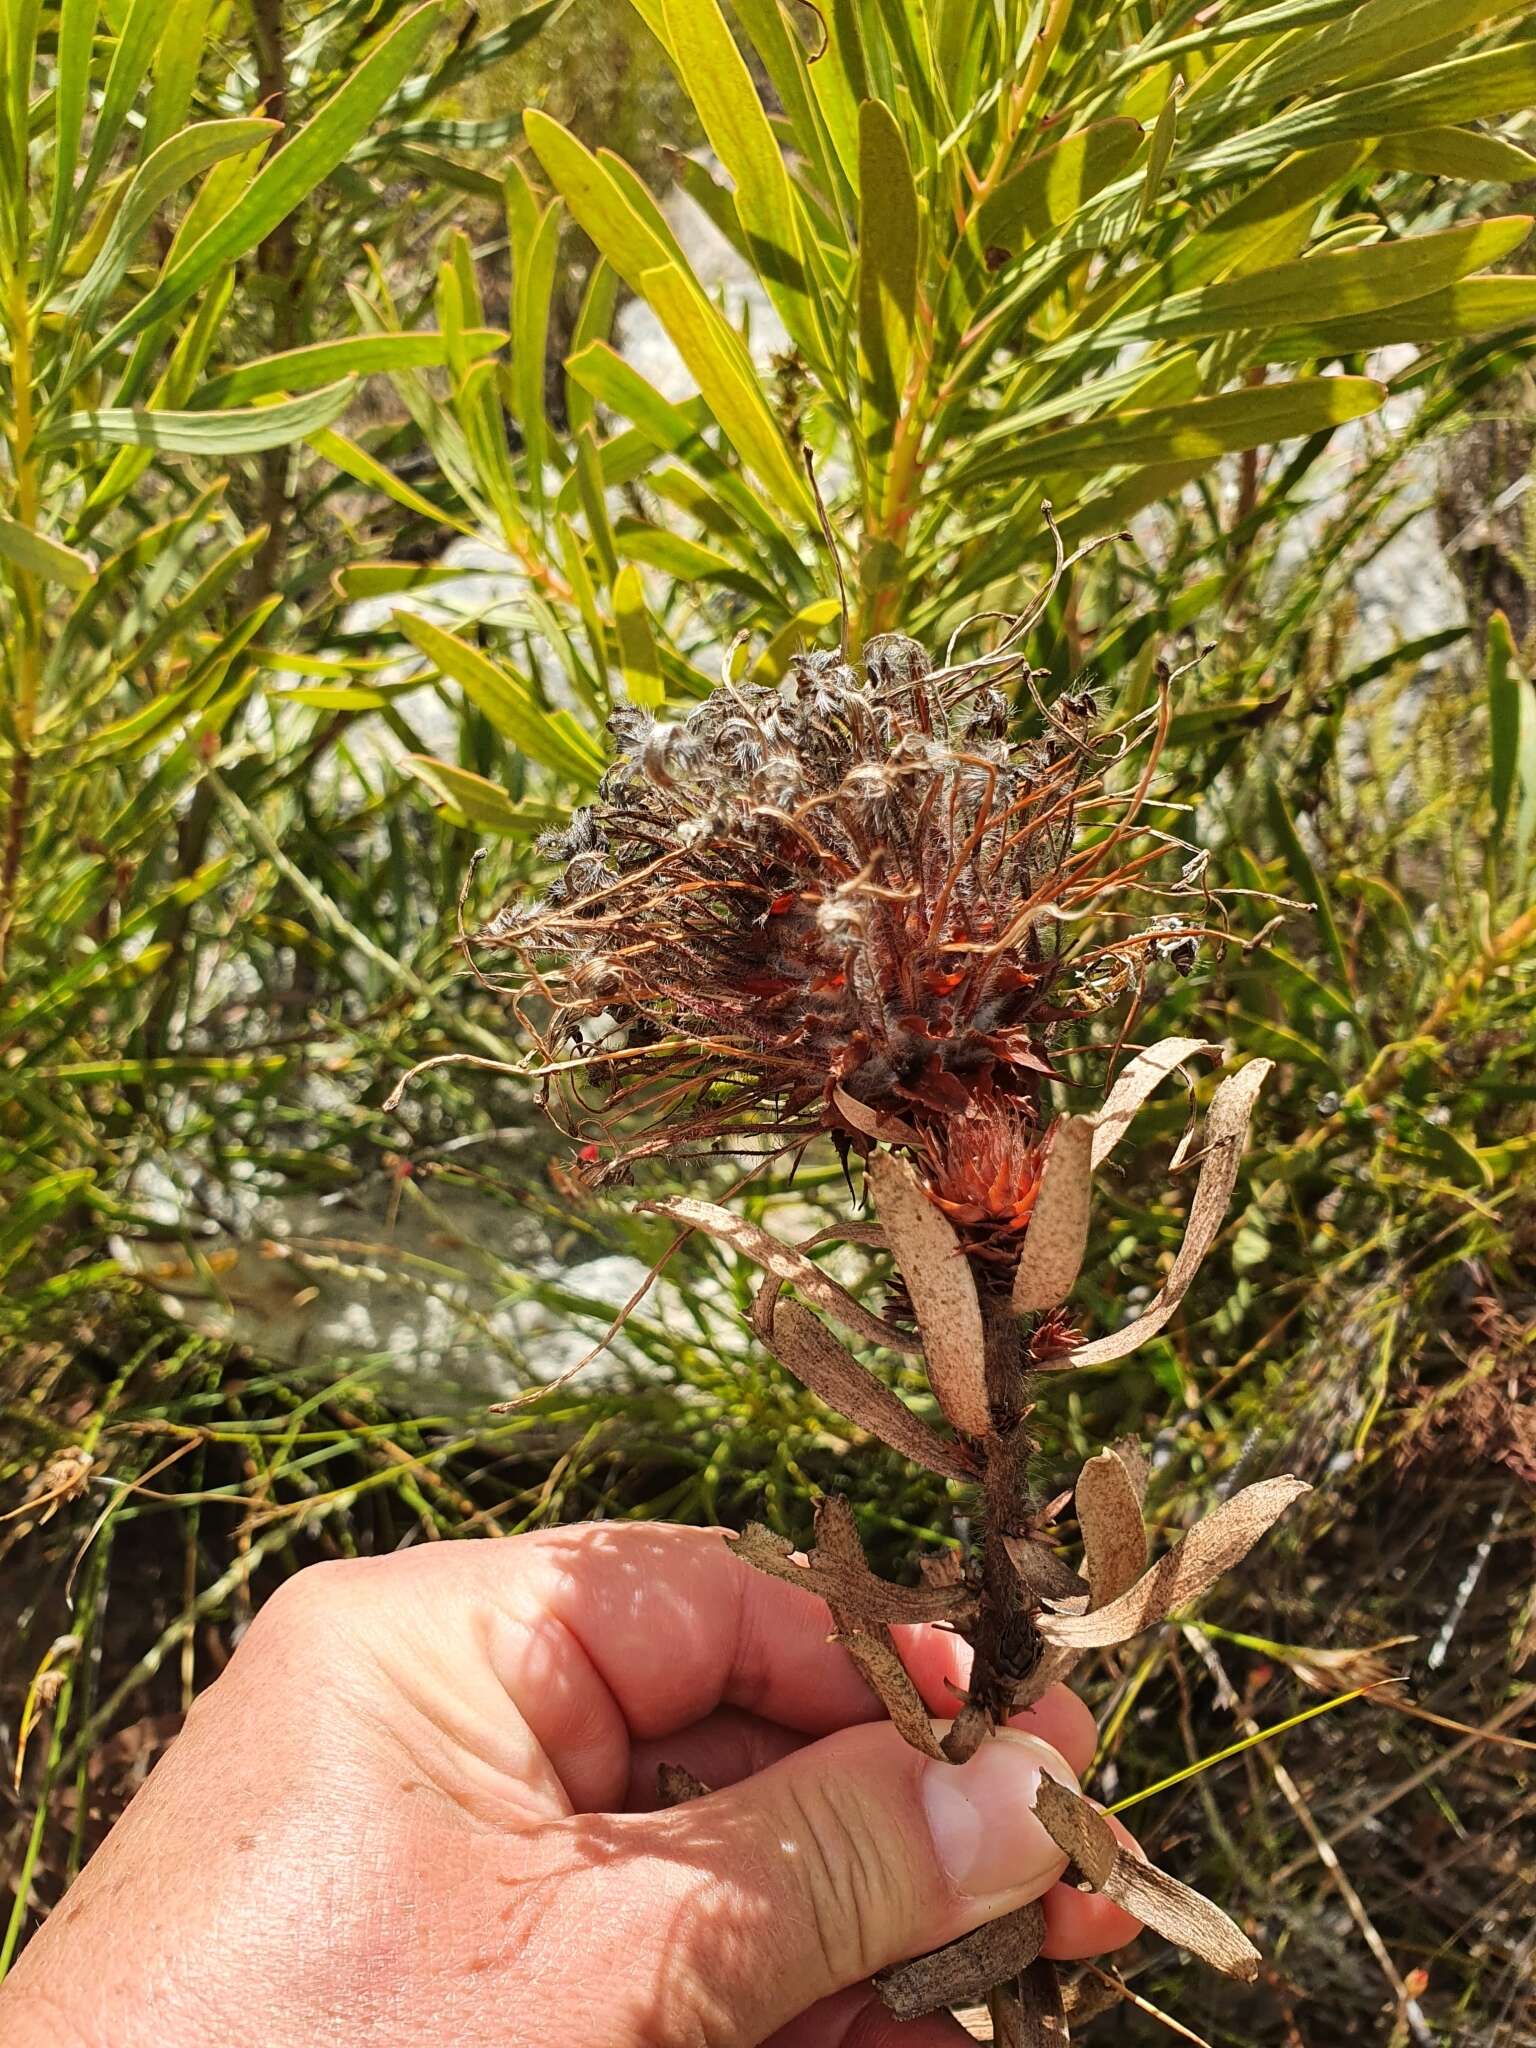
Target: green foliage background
[[1237, 279]]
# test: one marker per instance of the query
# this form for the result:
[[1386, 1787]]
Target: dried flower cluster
[[840, 906]]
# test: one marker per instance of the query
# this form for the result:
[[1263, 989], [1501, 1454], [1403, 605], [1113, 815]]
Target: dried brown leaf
[[1044, 1575], [1114, 1535], [1195, 1563], [890, 1130], [887, 1677], [1134, 1084], [1134, 1459], [964, 1969], [942, 1291], [851, 1587], [1029, 2012], [1226, 1132], [676, 1785], [1159, 1901], [807, 1347], [784, 1263], [1058, 1224]]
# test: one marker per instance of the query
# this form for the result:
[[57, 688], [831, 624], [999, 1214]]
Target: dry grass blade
[[1058, 1225], [1193, 1565], [963, 1969], [942, 1291], [1114, 1535], [784, 1263], [1145, 1073], [1159, 1901], [1226, 1132], [809, 1350]]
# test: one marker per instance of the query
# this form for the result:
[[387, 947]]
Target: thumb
[[744, 1908]]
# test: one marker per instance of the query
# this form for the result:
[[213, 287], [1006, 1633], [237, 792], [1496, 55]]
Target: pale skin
[[420, 1805]]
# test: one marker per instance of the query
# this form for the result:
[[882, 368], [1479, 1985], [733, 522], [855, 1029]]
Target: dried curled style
[[849, 905]]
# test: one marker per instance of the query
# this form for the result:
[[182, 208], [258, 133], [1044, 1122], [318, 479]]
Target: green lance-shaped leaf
[[552, 738], [1200, 429], [1456, 153], [890, 230], [1338, 283], [359, 355], [601, 206], [1372, 38], [731, 114], [483, 805], [1045, 193], [1159, 151], [140, 30], [1511, 741], [1474, 306], [72, 83], [175, 163], [1494, 82], [731, 391], [286, 177], [638, 659], [243, 431], [43, 557]]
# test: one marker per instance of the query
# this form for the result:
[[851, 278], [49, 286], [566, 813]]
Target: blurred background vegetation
[[354, 468]]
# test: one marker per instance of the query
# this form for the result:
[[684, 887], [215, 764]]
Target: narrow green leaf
[[1201, 428], [40, 556], [359, 355], [356, 462], [1511, 742], [1159, 151], [1044, 193], [638, 659], [1306, 880], [598, 203], [480, 804], [889, 233], [731, 392], [76, 43], [175, 163], [176, 67], [287, 176], [141, 28], [731, 114], [1474, 306], [239, 432], [1346, 282], [1457, 153], [550, 737]]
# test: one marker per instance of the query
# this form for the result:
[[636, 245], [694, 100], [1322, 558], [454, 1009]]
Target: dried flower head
[[841, 904]]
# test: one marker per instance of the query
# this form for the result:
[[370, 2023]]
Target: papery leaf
[[1159, 1901], [1226, 1131], [785, 1264], [874, 1123], [963, 1969], [1114, 1535], [1222, 1539], [1030, 2012], [1134, 1084], [1045, 1576], [942, 1290], [1057, 1235], [809, 1350], [839, 1574]]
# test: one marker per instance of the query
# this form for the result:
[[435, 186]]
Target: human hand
[[420, 1805]]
